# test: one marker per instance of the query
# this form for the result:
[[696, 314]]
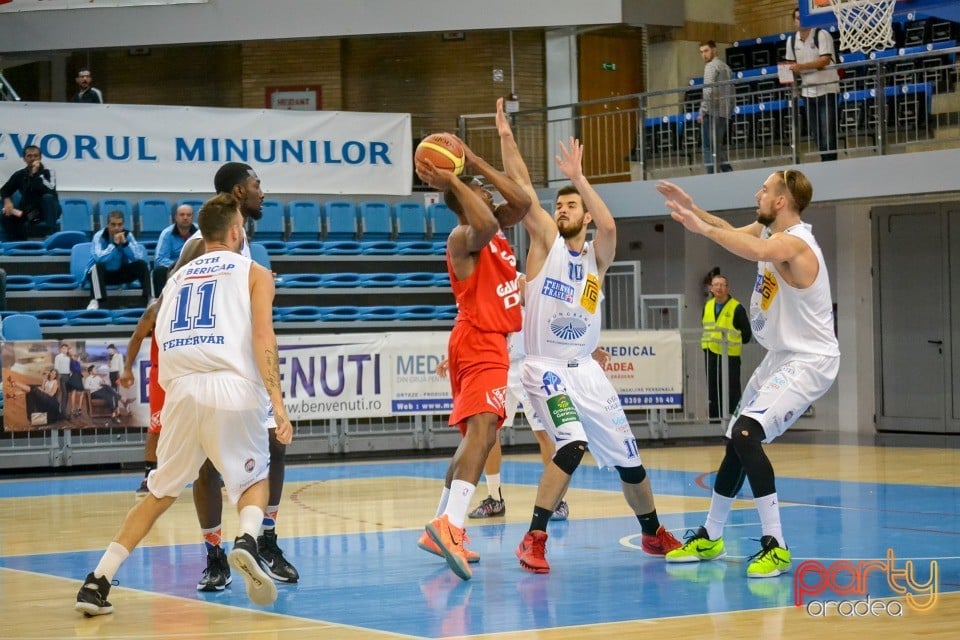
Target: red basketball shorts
[[478, 373]]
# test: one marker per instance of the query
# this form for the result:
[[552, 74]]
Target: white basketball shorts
[[517, 397]]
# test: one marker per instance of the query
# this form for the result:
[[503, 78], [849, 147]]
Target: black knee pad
[[632, 475], [746, 438], [568, 456], [746, 435]]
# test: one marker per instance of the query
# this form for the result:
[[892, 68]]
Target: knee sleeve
[[568, 456], [632, 475], [746, 438], [730, 475]]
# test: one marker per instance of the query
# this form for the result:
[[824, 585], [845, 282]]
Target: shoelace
[[760, 555], [691, 535]]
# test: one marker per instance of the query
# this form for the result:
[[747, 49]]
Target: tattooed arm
[[265, 347]]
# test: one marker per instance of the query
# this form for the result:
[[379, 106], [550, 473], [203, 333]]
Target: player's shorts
[[517, 397], [576, 401], [156, 394], [478, 373], [782, 388], [219, 416]]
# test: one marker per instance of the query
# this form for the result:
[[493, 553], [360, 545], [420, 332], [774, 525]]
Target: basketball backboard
[[817, 13]]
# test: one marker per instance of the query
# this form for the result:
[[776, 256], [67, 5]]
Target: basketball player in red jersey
[[483, 274], [155, 391]]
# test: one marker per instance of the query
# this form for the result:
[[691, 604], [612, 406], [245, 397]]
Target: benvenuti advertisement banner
[[327, 376], [142, 148]]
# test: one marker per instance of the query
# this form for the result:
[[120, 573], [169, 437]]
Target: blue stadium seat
[[341, 280], [411, 221], [447, 312], [342, 248], [150, 246], [415, 279], [105, 206], [341, 314], [378, 280], [441, 279], [79, 257], [439, 248], [61, 242], [417, 248], [76, 214], [21, 283], [127, 316], [339, 221], [273, 224], [304, 220], [305, 248], [54, 282], [378, 313], [376, 221], [153, 216], [379, 248], [442, 221], [89, 318], [22, 326], [303, 280], [196, 203], [302, 313], [259, 254], [24, 248], [274, 247], [46, 318], [417, 312]]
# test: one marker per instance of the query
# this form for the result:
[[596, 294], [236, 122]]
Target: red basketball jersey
[[490, 298]]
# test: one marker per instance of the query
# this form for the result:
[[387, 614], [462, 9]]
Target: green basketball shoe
[[697, 546], [770, 561]]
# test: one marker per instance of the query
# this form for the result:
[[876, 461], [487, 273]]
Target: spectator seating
[[339, 221], [304, 221], [259, 254], [22, 326], [411, 221], [273, 225], [442, 221], [196, 203], [153, 216], [76, 214], [106, 205], [376, 221]]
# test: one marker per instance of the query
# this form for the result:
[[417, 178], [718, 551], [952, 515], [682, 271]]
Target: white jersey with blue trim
[[784, 318], [562, 305], [204, 325], [244, 248]]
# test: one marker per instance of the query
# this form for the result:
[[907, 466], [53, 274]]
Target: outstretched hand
[[503, 125], [671, 191], [686, 217], [570, 160], [439, 179]]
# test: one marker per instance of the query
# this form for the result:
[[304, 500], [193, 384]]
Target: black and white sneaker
[[273, 561], [92, 597], [217, 574], [244, 559]]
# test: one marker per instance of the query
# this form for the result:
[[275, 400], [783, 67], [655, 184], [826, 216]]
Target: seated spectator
[[99, 389], [116, 258], [39, 207], [171, 244], [87, 92], [37, 400]]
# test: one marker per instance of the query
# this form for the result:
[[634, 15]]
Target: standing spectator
[[61, 363], [724, 318], [115, 366], [39, 206], [811, 51], [716, 108], [171, 244], [116, 258], [87, 92]]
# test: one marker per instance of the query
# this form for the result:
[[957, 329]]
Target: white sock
[[444, 497], [493, 485], [717, 517], [769, 508], [111, 560], [251, 517], [461, 493]]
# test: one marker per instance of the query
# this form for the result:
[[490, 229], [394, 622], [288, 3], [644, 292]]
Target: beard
[[569, 230], [254, 212], [766, 219]]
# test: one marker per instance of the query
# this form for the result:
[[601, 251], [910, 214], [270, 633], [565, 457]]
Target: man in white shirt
[[811, 52]]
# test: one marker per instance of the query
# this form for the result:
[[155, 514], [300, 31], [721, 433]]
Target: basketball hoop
[[864, 25]]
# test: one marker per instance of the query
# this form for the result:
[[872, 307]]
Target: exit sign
[[608, 66]]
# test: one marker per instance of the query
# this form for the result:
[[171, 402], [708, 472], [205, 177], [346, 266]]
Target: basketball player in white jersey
[[219, 368], [792, 317], [243, 184], [561, 329]]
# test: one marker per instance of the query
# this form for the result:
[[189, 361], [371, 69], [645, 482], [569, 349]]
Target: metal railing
[[893, 104]]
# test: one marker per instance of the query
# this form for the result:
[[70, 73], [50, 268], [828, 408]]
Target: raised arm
[[481, 226], [518, 201], [605, 241], [145, 325], [674, 193], [265, 346]]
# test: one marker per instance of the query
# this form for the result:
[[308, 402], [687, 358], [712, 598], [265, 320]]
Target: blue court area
[[380, 580]]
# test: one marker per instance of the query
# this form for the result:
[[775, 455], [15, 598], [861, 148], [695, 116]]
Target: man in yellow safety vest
[[723, 315]]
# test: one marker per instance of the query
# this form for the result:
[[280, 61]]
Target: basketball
[[443, 150]]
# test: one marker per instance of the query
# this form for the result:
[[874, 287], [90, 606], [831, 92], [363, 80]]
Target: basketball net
[[865, 25]]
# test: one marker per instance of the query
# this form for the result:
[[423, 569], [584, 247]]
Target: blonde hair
[[798, 186]]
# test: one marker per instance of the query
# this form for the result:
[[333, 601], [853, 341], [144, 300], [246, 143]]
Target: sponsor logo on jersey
[[591, 294], [562, 410], [767, 286], [557, 290], [509, 292], [788, 417], [249, 465], [568, 327], [552, 383], [496, 398]]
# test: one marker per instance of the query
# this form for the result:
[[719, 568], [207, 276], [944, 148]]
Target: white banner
[[132, 148], [646, 368], [10, 6]]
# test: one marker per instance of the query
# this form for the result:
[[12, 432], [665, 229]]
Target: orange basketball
[[443, 150]]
